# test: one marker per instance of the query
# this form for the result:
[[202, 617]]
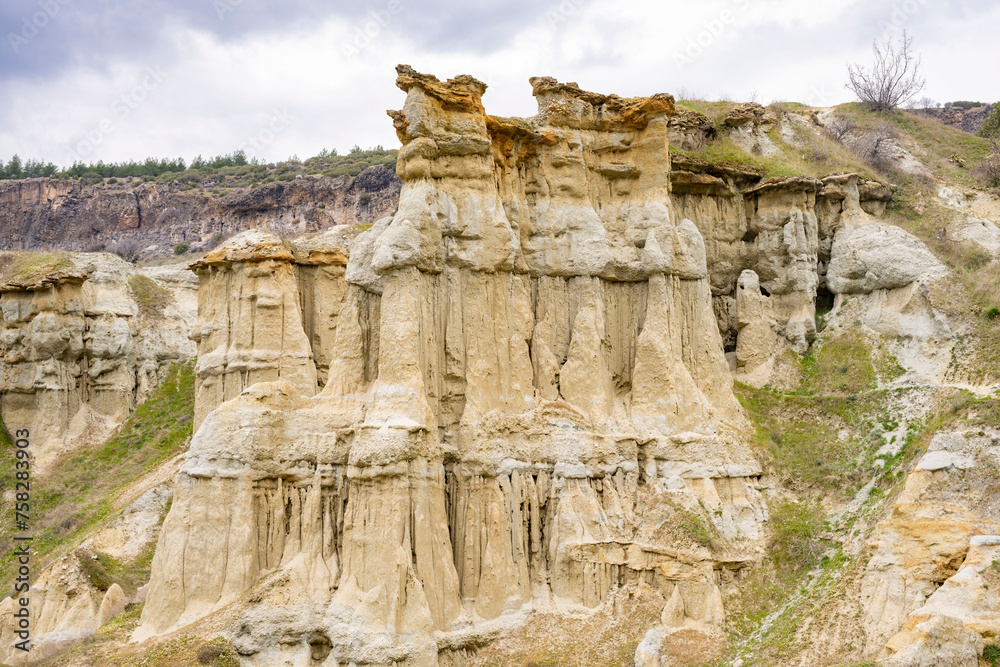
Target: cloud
[[304, 75]]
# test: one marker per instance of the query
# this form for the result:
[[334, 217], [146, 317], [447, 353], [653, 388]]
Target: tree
[[894, 76], [991, 128], [14, 168]]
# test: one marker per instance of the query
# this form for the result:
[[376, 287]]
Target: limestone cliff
[[525, 374], [499, 426], [83, 336], [53, 214]]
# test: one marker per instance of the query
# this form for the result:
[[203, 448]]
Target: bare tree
[[875, 143], [128, 249], [840, 127], [988, 170], [894, 76]]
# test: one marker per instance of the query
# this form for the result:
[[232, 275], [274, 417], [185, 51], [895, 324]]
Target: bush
[[209, 652], [991, 128], [840, 127], [94, 570], [365, 199], [181, 248], [795, 545], [128, 249], [988, 171]]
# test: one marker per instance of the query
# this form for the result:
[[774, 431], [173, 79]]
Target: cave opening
[[824, 300]]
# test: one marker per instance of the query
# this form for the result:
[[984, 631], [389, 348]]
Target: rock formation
[[55, 214], [67, 602], [932, 558], [83, 336], [524, 377]]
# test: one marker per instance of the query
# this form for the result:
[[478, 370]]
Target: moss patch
[[150, 296], [23, 266]]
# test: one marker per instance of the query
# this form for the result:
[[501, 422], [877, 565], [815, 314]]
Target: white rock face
[[872, 255], [925, 595], [525, 375], [756, 342], [82, 338]]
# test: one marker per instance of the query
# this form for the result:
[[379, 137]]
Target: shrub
[[94, 570], [991, 128], [840, 127], [209, 652], [893, 78], [988, 171], [795, 545], [128, 249], [181, 248], [992, 313], [874, 144], [365, 199]]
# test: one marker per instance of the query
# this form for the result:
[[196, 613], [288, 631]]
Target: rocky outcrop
[[55, 214], [785, 231], [74, 595], [267, 313], [968, 120], [926, 590], [524, 382], [83, 336]]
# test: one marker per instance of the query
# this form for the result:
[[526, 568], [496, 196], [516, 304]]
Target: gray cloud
[[232, 63], [46, 37]]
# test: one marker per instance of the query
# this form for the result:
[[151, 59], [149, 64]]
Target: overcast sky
[[113, 80]]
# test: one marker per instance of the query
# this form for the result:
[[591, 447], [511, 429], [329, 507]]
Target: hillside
[[194, 210], [554, 395]]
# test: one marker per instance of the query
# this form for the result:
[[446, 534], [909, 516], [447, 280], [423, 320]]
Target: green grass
[[80, 490], [944, 148], [800, 434], [795, 547], [22, 266], [103, 570], [841, 365], [811, 154], [150, 296], [110, 647]]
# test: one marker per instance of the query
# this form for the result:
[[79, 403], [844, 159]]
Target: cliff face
[[782, 232], [505, 414], [967, 120], [50, 214], [526, 379], [83, 336]]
